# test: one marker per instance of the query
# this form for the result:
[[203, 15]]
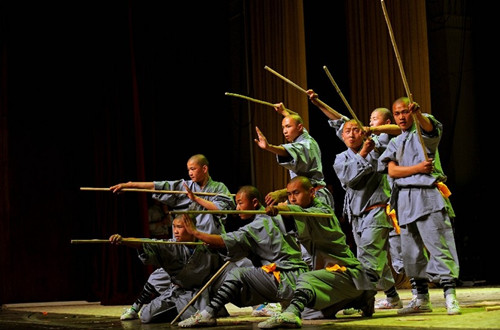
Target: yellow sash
[[394, 219], [272, 268], [443, 189], [336, 268]]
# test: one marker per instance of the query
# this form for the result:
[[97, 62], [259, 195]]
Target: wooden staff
[[134, 240], [201, 290], [403, 76], [258, 101], [343, 98], [250, 99], [319, 215], [157, 191], [304, 91]]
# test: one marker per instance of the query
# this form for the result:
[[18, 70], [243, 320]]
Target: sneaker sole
[[413, 311]]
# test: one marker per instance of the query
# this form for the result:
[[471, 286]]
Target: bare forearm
[[139, 185], [395, 171], [278, 150], [205, 203], [390, 129], [210, 239], [424, 122]]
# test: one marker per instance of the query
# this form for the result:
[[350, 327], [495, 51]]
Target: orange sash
[[394, 219], [443, 189], [336, 268], [272, 268]]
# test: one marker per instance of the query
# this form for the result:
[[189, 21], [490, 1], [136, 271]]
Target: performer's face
[[245, 203], [402, 115], [377, 119], [298, 195], [196, 171], [291, 129], [352, 135], [180, 233]]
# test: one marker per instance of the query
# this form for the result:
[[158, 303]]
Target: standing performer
[[201, 181], [188, 268], [424, 211], [368, 232], [367, 193], [267, 239], [338, 280], [301, 156]]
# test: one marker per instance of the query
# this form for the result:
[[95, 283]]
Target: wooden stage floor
[[480, 310]]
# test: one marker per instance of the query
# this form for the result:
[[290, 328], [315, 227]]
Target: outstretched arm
[[280, 108], [263, 144], [391, 129], [117, 239], [130, 184], [329, 112]]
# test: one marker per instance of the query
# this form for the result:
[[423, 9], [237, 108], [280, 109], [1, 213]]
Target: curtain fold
[[375, 78], [276, 34]]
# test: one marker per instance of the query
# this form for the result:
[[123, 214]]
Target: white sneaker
[[452, 306], [417, 305], [129, 314], [199, 319], [389, 303]]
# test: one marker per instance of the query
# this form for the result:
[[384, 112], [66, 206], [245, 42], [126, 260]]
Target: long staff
[[304, 91], [134, 240], [156, 191], [343, 98], [403, 76], [318, 215], [257, 101], [200, 292], [250, 99]]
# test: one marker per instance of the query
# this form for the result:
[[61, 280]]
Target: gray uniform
[[367, 193], [265, 238], [208, 223], [381, 142], [423, 213], [325, 241], [305, 160], [187, 269]]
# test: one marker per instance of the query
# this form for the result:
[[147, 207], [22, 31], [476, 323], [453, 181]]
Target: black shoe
[[369, 308]]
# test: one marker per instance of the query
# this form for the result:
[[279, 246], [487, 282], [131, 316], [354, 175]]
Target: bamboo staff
[[250, 99], [403, 76], [304, 91], [258, 101], [157, 191], [201, 290], [134, 240], [343, 98], [319, 215]]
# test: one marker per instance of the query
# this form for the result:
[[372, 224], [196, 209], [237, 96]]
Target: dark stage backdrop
[[98, 93]]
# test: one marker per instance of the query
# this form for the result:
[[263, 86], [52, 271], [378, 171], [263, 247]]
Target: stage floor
[[480, 310]]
